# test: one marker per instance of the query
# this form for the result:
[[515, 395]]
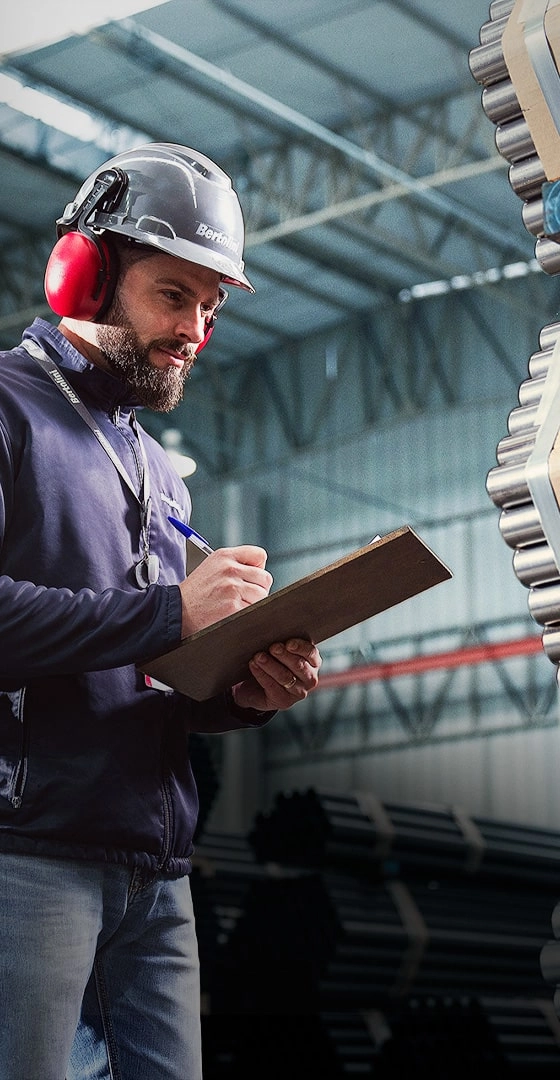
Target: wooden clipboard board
[[340, 595]]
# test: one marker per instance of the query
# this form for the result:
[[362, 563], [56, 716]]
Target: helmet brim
[[184, 249]]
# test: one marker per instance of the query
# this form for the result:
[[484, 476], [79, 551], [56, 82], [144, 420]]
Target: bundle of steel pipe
[[223, 868], [491, 1037], [326, 1046], [359, 832], [355, 964], [535, 563], [550, 958], [456, 1037], [333, 941]]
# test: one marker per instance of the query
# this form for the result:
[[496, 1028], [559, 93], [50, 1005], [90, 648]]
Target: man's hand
[[227, 581], [286, 673]]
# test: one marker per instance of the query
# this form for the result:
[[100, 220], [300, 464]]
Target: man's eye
[[171, 294]]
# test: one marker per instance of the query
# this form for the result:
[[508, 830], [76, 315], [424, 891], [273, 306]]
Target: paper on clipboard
[[326, 602]]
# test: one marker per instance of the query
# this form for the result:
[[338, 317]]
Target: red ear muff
[[78, 277], [209, 326], [211, 320]]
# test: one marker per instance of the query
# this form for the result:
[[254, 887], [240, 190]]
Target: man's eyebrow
[[181, 287]]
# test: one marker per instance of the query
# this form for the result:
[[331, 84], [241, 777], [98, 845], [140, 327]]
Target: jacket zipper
[[21, 771], [166, 843], [166, 798]]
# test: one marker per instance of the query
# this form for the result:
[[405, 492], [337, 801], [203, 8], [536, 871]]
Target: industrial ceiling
[[353, 131]]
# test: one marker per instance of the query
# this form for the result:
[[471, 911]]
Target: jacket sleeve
[[220, 714], [65, 631], [46, 631]]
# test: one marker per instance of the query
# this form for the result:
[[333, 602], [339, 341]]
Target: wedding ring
[[293, 680]]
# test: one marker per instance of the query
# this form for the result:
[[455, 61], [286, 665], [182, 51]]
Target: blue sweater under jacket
[[93, 764]]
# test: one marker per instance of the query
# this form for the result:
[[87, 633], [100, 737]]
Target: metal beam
[[346, 80], [366, 201], [484, 653], [264, 108]]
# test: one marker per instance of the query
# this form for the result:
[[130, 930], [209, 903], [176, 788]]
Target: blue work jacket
[[94, 764]]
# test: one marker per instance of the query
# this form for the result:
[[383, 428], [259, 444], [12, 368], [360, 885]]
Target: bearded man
[[98, 806]]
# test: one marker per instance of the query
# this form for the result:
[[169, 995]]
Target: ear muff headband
[[82, 270]]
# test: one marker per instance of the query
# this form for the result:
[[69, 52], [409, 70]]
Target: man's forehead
[[189, 276]]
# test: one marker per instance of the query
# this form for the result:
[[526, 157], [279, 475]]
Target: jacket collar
[[89, 381]]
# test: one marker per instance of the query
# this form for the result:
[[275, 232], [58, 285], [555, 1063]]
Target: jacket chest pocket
[[14, 746]]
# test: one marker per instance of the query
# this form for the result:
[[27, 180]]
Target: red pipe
[[416, 665]]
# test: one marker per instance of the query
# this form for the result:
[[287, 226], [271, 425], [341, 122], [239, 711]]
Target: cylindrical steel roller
[[539, 362], [522, 419], [535, 565], [507, 484], [544, 603], [500, 102], [499, 8], [493, 30], [551, 642], [549, 335], [521, 526], [531, 391], [548, 254], [515, 447], [487, 63], [514, 140], [527, 177], [533, 561], [533, 216]]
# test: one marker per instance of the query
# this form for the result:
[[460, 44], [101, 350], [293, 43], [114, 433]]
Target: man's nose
[[191, 326]]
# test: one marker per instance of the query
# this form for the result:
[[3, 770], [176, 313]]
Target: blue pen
[[192, 535]]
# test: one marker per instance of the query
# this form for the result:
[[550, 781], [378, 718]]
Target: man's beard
[[160, 390]]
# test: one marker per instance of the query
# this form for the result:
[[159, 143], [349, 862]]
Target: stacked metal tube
[[520, 523], [342, 918]]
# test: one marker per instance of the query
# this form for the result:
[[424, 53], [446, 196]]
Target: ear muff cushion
[[207, 335], [75, 286]]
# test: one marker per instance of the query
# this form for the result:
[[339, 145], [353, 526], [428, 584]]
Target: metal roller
[[522, 420], [521, 526], [531, 391], [539, 362], [544, 603], [507, 485], [493, 30], [551, 642], [514, 141], [527, 177], [515, 447], [549, 335], [535, 565], [533, 216], [500, 8], [487, 63], [548, 254], [500, 102]]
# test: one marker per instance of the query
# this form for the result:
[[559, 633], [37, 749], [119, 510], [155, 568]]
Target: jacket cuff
[[248, 717]]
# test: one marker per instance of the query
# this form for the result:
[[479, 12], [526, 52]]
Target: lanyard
[[147, 570]]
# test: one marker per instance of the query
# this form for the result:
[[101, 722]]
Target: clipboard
[[344, 593]]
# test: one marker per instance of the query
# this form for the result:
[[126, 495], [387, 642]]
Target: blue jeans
[[99, 974]]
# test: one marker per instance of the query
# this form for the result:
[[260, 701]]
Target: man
[[98, 958]]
